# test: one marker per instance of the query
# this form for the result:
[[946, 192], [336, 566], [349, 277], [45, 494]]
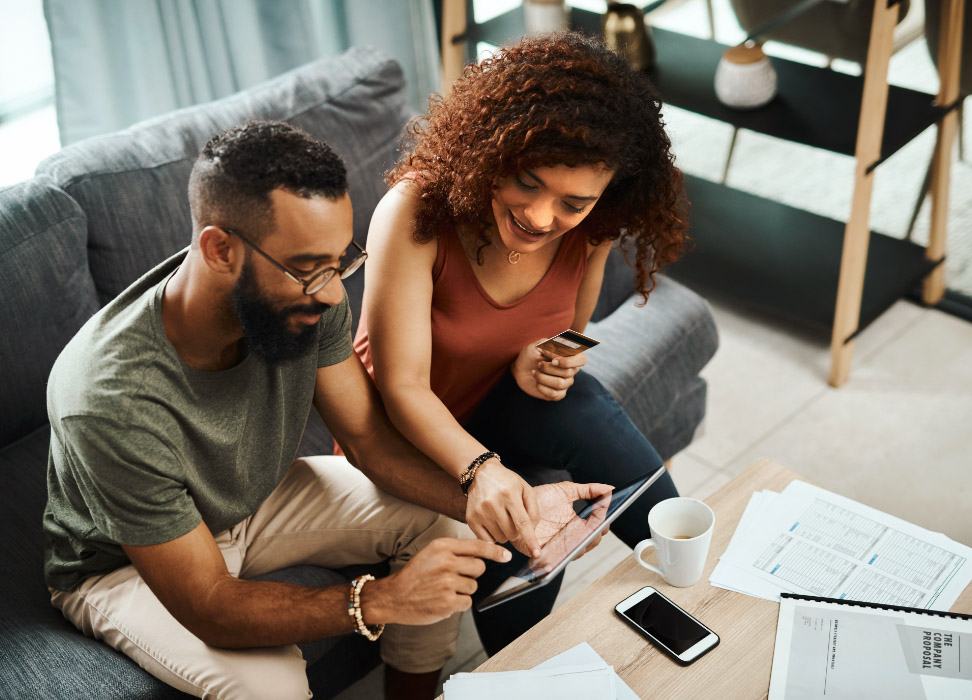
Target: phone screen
[[664, 621]]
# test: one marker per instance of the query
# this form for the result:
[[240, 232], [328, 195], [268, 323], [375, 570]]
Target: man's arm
[[350, 405], [190, 578]]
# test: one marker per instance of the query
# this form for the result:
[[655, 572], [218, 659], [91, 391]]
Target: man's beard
[[267, 331]]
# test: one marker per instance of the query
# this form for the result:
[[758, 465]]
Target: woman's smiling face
[[539, 205]]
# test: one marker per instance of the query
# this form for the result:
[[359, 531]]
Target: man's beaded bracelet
[[465, 481], [354, 610]]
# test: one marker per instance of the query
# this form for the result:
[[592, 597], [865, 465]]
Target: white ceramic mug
[[681, 529]]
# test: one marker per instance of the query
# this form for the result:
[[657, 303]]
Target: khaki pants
[[324, 512]]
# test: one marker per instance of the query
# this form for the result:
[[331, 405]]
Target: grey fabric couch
[[100, 213]]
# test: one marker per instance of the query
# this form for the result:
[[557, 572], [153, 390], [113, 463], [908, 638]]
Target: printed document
[[838, 650], [810, 541]]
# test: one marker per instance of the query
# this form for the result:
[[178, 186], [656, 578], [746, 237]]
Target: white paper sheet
[[811, 541], [562, 683], [732, 573], [583, 653], [578, 673]]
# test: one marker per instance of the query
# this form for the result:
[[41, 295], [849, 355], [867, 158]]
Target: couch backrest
[[46, 294], [133, 184]]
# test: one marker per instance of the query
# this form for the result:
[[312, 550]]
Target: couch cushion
[[133, 183], [673, 337], [47, 294], [36, 638], [41, 654]]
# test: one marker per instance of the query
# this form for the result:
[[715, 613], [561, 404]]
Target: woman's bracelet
[[354, 610], [465, 481]]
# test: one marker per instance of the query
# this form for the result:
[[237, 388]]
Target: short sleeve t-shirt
[[143, 447]]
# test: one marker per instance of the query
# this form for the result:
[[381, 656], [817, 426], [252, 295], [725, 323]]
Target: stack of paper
[[810, 541], [577, 673]]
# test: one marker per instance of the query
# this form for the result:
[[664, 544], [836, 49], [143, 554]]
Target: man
[[176, 413]]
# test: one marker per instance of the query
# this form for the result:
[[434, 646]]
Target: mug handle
[[639, 550]]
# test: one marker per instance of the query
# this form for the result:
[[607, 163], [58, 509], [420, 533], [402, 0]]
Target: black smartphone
[[667, 626]]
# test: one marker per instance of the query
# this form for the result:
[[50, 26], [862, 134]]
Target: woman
[[494, 236]]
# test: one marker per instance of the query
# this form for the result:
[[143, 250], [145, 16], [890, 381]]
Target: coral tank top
[[474, 337]]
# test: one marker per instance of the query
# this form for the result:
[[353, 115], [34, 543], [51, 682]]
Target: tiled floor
[[897, 435]]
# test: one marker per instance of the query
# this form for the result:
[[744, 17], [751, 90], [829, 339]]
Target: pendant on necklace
[[513, 257]]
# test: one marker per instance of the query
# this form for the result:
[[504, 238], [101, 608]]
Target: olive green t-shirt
[[143, 447]]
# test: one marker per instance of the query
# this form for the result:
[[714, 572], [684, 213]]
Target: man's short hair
[[236, 171]]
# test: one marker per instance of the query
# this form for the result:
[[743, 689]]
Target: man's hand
[[502, 507], [437, 582], [543, 375]]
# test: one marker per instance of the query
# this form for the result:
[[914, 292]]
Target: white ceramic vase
[[745, 78]]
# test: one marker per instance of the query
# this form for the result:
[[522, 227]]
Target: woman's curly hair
[[561, 99]]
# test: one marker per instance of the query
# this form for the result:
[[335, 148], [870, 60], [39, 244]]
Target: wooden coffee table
[[738, 668]]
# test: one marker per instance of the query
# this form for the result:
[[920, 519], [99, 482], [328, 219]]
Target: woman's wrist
[[469, 474]]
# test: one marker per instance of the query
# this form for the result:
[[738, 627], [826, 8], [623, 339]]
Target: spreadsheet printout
[[808, 540]]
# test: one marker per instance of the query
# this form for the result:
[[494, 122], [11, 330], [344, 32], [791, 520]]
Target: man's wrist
[[376, 606]]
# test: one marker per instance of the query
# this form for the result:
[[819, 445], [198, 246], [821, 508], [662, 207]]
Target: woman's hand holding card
[[544, 375]]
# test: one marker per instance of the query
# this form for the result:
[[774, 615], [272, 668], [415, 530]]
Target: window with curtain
[[28, 128], [117, 62]]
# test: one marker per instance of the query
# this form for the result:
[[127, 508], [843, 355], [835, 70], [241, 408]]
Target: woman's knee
[[587, 407]]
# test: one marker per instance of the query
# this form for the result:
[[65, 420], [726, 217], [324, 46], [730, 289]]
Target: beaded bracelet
[[465, 481], [354, 610]]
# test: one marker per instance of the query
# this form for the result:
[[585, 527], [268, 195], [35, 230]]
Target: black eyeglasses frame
[[317, 281]]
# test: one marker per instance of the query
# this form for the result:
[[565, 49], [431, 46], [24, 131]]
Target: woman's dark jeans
[[588, 434]]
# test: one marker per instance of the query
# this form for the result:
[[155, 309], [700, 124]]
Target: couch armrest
[[650, 356]]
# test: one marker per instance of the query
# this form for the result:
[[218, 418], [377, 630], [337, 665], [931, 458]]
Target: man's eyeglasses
[[316, 282]]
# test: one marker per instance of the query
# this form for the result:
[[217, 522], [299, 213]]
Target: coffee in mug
[[681, 529]]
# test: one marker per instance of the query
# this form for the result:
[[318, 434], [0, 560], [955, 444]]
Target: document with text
[[810, 541], [830, 649]]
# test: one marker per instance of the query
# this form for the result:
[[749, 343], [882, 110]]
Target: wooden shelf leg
[[870, 131], [453, 54], [949, 62]]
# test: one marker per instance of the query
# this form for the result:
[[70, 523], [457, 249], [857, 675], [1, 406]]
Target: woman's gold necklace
[[512, 257]]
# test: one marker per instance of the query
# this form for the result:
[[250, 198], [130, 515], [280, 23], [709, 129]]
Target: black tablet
[[570, 540]]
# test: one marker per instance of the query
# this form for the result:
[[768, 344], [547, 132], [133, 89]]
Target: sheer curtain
[[120, 61]]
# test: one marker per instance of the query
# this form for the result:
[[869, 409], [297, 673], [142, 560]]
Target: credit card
[[567, 343]]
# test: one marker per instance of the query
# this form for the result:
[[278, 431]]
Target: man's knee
[[268, 673], [430, 525], [423, 527], [444, 526]]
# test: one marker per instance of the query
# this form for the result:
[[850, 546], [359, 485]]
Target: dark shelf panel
[[814, 106], [786, 261]]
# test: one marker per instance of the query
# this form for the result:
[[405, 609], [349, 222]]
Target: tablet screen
[[593, 518]]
